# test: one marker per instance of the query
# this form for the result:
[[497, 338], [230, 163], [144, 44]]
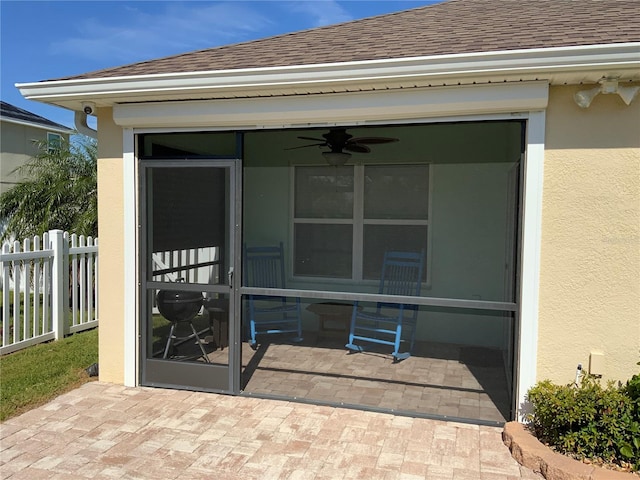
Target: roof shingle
[[451, 27], [11, 112]]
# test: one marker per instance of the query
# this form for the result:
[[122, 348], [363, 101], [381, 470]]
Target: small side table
[[218, 309], [335, 313]]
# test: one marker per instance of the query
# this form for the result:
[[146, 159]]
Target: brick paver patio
[[106, 431]]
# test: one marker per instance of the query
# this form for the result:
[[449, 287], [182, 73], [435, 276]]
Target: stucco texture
[[111, 266], [590, 245]]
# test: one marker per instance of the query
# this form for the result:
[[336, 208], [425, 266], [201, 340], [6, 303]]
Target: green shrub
[[631, 450], [589, 421]]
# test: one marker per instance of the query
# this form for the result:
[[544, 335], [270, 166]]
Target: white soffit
[[336, 108]]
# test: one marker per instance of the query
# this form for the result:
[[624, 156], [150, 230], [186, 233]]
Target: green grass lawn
[[35, 375]]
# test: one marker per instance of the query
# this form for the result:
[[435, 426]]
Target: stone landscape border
[[528, 451]]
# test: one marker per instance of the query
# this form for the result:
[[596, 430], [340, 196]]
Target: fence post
[[6, 312], [59, 283]]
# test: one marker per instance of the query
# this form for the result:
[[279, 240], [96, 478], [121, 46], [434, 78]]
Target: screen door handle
[[230, 276]]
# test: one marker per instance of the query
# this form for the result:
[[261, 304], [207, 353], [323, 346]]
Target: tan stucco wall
[[111, 231], [590, 250]]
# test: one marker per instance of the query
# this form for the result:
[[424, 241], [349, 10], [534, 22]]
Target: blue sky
[[43, 40]]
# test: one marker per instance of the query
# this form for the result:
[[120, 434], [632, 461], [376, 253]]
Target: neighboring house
[[20, 130], [503, 140]]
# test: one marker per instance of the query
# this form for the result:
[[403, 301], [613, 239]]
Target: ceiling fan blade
[[372, 140], [337, 139], [313, 139], [305, 146], [356, 147]]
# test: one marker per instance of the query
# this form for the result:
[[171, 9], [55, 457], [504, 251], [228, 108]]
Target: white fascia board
[[242, 82], [343, 107]]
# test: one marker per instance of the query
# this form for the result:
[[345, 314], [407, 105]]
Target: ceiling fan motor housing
[[338, 140]]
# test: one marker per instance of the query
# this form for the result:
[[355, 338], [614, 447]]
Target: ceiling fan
[[340, 143]]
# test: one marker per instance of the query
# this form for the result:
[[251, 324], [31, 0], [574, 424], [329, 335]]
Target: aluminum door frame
[[157, 372]]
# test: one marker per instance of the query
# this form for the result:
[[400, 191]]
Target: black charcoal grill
[[179, 306]]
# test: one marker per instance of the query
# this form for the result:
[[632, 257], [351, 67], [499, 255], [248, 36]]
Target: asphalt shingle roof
[[8, 111], [451, 27]]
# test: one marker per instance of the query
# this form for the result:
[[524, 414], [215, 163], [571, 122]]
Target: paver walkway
[[106, 431]]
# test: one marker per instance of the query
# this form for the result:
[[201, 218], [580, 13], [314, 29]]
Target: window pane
[[396, 192], [323, 250], [54, 141], [381, 238], [324, 192]]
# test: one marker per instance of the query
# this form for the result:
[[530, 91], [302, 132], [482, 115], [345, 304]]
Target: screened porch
[[446, 193]]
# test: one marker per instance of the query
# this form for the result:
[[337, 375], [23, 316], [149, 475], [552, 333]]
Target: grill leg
[[195, 334], [169, 340]]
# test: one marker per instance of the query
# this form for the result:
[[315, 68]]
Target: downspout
[[80, 120]]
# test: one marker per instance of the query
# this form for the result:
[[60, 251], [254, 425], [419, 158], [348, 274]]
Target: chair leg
[[299, 317], [354, 317], [252, 335], [397, 356]]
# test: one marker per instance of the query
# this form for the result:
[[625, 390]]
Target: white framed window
[[345, 218], [53, 140]]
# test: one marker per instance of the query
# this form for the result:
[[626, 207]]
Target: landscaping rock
[[527, 450]]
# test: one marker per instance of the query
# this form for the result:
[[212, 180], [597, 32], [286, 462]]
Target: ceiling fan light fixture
[[336, 159]]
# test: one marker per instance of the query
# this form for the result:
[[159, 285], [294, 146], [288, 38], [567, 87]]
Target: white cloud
[[323, 12], [161, 29]]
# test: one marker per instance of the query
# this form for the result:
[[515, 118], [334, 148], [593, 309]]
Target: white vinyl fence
[[49, 288], [193, 265]]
